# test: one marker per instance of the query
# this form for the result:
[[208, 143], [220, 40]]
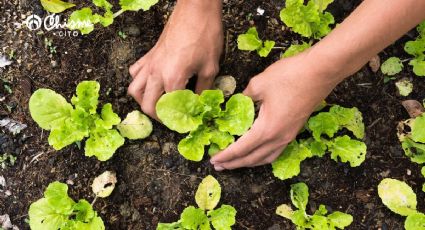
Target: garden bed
[[154, 182]]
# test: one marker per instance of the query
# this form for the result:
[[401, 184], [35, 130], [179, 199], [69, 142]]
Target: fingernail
[[213, 162], [218, 168]]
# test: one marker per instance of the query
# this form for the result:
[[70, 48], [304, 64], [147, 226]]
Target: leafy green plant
[[56, 210], [201, 115], [400, 198], [309, 20], [411, 134], [323, 128], [56, 6], [416, 48], [207, 197], [71, 123], [319, 220], [295, 49], [250, 41]]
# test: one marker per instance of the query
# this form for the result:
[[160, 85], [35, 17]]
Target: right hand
[[190, 44]]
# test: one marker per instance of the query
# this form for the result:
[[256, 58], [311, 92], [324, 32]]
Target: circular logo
[[33, 22]]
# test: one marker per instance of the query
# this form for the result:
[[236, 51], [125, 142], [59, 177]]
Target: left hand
[[289, 91]]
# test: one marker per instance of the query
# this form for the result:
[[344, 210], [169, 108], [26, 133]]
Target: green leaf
[[392, 66], [299, 218], [317, 222], [49, 109], [287, 165], [213, 149], [321, 211], [250, 40], [397, 196], [300, 17], [56, 195], [323, 123], [223, 218], [350, 118], [103, 3], [299, 195], [285, 211], [192, 146], [56, 6], [317, 148], [82, 20], [222, 139], [109, 117], [95, 224], [418, 67], [323, 28], [238, 116], [88, 97], [266, 48], [416, 151], [415, 221], [415, 48], [404, 87], [135, 126], [180, 110], [194, 218], [212, 99], [208, 194], [103, 145], [84, 211], [295, 49], [66, 134], [348, 150], [340, 219], [44, 216], [136, 5], [322, 4]]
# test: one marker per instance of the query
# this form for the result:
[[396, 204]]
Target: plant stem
[[279, 47], [94, 201], [407, 59], [118, 13]]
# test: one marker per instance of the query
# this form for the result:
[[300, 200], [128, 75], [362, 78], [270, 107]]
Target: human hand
[[289, 91], [191, 43]]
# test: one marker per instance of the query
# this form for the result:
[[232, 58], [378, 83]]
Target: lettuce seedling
[[413, 138], [202, 116], [71, 123], [323, 128], [319, 220], [207, 197], [400, 198], [309, 20], [250, 41], [84, 19], [416, 48], [295, 49], [56, 210]]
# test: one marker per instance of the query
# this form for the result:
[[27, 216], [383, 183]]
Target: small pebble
[[54, 63], [408, 172], [89, 70]]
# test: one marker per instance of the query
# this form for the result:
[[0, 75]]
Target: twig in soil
[[367, 84], [94, 201], [374, 122], [279, 48], [36, 157]]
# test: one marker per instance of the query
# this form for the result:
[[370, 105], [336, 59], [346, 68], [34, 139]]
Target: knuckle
[[132, 89], [210, 71]]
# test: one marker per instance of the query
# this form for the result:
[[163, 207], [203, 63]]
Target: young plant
[[411, 134], [295, 49], [323, 128], [309, 20], [250, 41], [71, 123], [416, 48], [202, 116], [207, 197], [56, 210], [319, 220], [400, 198]]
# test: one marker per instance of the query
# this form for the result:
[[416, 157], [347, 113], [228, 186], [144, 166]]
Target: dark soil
[[154, 182]]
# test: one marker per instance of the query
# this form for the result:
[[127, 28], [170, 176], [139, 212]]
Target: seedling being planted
[[400, 198], [207, 197], [250, 41], [202, 116], [70, 123], [319, 220], [56, 210], [323, 128]]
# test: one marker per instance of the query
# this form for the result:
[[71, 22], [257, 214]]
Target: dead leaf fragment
[[375, 63], [104, 184], [413, 107]]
